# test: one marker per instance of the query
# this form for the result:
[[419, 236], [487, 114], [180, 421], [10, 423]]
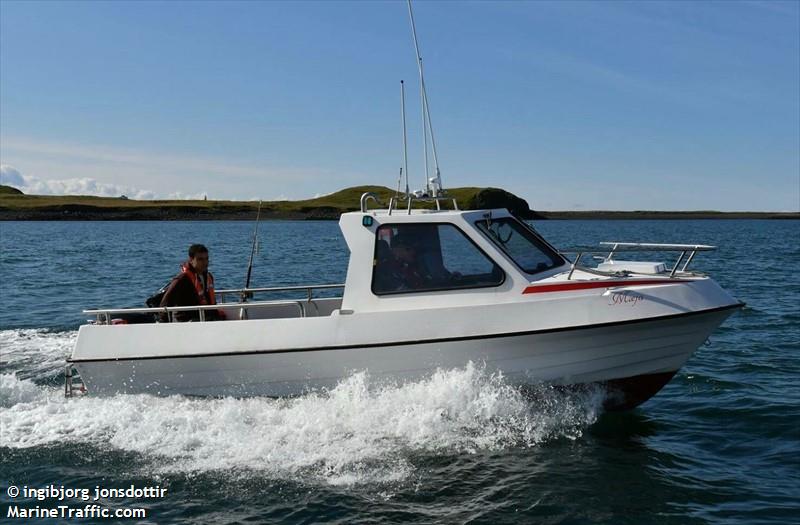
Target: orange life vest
[[195, 279]]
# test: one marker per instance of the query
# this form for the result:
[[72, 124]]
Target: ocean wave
[[361, 431], [14, 391], [36, 352]]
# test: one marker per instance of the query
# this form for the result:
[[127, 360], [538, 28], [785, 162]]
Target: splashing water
[[35, 353], [361, 431]]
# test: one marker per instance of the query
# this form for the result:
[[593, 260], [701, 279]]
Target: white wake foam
[[35, 352], [14, 392], [358, 432]]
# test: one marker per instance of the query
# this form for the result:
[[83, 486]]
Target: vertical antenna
[[399, 178], [424, 131], [405, 140], [426, 116], [422, 98], [433, 142]]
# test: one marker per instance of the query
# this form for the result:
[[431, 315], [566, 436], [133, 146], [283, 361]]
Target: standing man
[[194, 286]]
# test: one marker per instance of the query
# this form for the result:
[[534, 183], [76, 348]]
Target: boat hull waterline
[[634, 359]]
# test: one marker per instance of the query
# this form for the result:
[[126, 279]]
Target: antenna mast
[[405, 141], [426, 119]]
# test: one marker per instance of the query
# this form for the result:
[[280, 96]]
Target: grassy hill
[[14, 205], [9, 190]]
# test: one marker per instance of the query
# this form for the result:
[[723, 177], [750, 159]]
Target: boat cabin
[[411, 259], [430, 258]]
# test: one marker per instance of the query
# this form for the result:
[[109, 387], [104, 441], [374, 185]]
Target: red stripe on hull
[[588, 285]]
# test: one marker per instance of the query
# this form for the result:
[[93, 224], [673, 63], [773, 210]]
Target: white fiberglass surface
[[360, 431]]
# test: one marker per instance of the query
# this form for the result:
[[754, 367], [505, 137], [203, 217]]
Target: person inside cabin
[[193, 286], [409, 273], [387, 268], [406, 265]]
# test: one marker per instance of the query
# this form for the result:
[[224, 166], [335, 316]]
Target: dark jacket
[[181, 292]]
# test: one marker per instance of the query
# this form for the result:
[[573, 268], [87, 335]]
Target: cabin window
[[429, 257], [520, 244]]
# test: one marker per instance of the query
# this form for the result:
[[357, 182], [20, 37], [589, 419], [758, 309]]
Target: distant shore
[[665, 215], [173, 214], [15, 206]]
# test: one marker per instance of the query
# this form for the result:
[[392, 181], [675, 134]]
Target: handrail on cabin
[[410, 198], [366, 197]]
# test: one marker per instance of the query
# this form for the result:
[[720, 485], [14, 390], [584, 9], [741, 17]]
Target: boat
[[428, 287], [485, 287]]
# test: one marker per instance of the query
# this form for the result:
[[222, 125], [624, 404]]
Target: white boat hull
[[616, 353], [568, 326]]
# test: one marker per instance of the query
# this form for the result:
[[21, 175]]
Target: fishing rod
[[245, 295]]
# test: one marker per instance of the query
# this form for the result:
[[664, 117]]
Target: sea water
[[720, 444]]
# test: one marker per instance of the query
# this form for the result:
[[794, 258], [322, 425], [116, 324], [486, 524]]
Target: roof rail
[[411, 198]]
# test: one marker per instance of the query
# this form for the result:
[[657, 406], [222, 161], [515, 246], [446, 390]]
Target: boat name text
[[627, 297]]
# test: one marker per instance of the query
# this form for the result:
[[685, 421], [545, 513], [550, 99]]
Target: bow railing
[[607, 255]]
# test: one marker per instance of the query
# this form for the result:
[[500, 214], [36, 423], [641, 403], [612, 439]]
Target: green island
[[16, 206]]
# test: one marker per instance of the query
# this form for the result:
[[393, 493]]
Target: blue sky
[[571, 105]]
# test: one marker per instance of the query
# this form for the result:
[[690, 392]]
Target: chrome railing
[[104, 315], [617, 247], [393, 202], [410, 199], [309, 289], [365, 198]]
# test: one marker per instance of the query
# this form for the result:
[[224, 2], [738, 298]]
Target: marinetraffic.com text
[[59, 502]]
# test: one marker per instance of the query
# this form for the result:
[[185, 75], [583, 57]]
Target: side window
[[427, 257]]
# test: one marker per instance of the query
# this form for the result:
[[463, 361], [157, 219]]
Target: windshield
[[520, 244]]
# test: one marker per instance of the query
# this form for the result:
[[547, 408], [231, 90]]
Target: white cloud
[[179, 195], [171, 175], [11, 176]]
